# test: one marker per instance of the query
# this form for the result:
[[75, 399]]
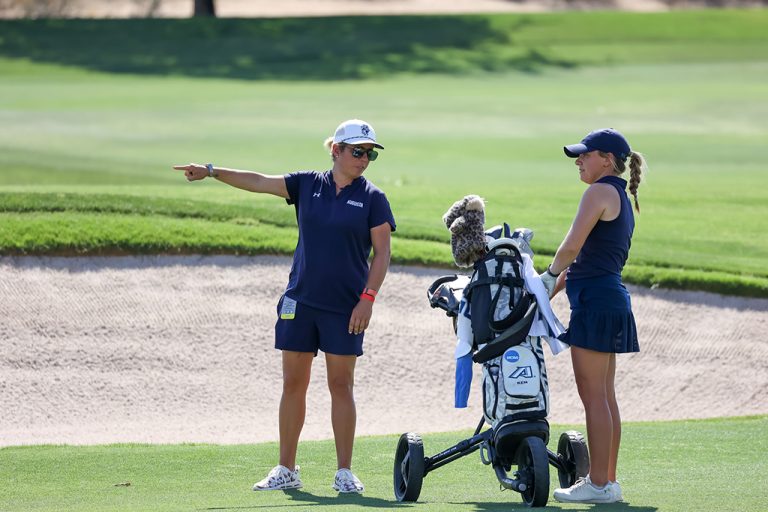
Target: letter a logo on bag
[[522, 372]]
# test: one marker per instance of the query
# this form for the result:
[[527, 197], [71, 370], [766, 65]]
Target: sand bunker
[[180, 349]]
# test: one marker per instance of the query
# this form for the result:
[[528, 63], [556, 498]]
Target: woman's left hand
[[361, 316]]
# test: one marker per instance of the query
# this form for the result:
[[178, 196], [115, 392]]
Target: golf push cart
[[515, 396]]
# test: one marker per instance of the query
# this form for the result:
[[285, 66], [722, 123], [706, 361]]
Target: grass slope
[[712, 465], [94, 113]]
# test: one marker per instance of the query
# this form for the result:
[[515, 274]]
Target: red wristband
[[370, 291], [366, 296]]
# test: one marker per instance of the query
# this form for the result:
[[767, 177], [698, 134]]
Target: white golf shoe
[[346, 482], [280, 478], [584, 491]]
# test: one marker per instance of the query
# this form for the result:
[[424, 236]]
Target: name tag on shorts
[[288, 310]]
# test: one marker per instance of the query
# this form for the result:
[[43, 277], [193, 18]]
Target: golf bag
[[515, 385], [501, 310]]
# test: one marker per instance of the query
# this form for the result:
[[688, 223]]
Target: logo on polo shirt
[[355, 203], [316, 194]]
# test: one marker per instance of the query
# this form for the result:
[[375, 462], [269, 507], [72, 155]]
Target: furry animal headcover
[[466, 219]]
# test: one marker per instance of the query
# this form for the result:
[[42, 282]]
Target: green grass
[[334, 48], [713, 465], [94, 113]]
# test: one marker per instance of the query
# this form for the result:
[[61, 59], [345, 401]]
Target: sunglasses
[[359, 152]]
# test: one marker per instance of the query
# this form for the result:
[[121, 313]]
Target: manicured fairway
[[713, 465]]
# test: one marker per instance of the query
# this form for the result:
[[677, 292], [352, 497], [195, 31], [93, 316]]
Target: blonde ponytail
[[636, 166]]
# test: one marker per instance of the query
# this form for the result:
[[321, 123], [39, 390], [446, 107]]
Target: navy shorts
[[301, 328], [601, 315]]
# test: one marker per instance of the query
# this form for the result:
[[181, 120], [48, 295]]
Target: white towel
[[546, 323]]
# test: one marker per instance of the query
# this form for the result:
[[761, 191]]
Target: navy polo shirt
[[330, 263]]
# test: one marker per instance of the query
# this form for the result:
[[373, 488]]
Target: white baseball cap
[[356, 131]]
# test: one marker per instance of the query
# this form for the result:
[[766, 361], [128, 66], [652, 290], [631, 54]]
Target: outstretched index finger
[[181, 167]]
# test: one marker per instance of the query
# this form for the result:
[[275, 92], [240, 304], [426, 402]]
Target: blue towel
[[463, 380]]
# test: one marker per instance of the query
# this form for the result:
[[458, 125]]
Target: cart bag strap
[[509, 338]]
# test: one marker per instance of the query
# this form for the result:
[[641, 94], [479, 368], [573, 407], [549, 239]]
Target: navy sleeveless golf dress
[[601, 310]]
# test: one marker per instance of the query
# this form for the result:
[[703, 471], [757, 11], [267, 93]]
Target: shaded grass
[[333, 48], [665, 466]]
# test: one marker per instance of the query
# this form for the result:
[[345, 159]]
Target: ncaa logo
[[512, 356]]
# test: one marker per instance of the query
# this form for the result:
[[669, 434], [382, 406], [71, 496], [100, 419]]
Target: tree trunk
[[204, 8]]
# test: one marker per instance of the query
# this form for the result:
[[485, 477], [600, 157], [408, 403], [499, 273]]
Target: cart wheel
[[409, 467], [533, 470], [573, 449]]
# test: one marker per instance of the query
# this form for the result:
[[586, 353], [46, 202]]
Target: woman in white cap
[[328, 302], [602, 324]]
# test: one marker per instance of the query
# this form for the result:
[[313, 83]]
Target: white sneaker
[[279, 478], [346, 482], [584, 491], [616, 490]]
